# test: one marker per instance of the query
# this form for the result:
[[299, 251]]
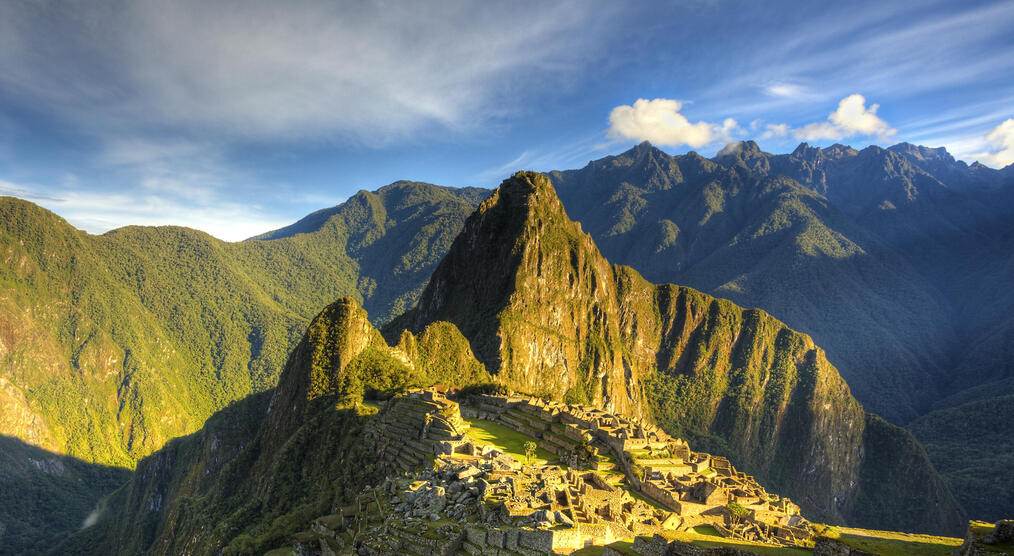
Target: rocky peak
[[746, 154], [805, 151], [920, 152], [740, 149], [838, 151], [315, 368]]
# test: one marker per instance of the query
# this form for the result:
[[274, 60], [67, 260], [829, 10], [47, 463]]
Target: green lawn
[[892, 543], [707, 537], [509, 440]]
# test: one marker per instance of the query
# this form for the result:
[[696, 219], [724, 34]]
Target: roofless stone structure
[[449, 492]]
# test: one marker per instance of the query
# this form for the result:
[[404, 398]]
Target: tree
[[736, 512], [530, 450]]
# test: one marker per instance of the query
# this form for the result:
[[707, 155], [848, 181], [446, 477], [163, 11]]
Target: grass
[[892, 543], [623, 547], [981, 528], [509, 440], [707, 537]]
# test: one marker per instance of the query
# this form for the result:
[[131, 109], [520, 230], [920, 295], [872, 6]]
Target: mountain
[[764, 240], [896, 261], [111, 345], [545, 312], [47, 496], [524, 295]]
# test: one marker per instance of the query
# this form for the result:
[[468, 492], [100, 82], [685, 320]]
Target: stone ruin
[[447, 493]]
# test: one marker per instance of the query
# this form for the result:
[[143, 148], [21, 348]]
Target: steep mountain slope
[[971, 446], [545, 312], [111, 345], [938, 228], [897, 261], [769, 242]]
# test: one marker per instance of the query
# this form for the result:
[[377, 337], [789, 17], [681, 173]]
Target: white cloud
[[660, 122], [999, 146], [851, 118]]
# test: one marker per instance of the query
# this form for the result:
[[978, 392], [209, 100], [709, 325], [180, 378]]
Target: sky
[[238, 117]]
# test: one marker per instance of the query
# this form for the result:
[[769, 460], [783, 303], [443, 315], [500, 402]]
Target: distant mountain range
[[896, 261]]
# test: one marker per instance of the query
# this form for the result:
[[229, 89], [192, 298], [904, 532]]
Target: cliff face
[[546, 313]]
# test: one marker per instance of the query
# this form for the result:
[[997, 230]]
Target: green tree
[[736, 512], [530, 450]]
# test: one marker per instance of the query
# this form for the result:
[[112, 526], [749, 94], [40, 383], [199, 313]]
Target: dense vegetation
[[111, 345], [972, 447], [261, 468]]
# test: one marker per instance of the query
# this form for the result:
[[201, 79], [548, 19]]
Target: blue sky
[[240, 117]]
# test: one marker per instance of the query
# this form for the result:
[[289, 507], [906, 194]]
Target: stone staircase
[[408, 430]]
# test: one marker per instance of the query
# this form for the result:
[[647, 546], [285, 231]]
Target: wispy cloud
[[367, 72], [888, 50], [791, 91]]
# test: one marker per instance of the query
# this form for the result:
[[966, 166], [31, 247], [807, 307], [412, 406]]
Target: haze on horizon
[[240, 117]]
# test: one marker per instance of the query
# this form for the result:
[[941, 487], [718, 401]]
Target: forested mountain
[[111, 345], [525, 295], [897, 261]]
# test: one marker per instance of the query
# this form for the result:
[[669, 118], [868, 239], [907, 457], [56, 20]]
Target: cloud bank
[[660, 122]]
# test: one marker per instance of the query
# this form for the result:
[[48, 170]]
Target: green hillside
[[112, 345]]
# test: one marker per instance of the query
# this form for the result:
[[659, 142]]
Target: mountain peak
[[642, 151], [920, 152], [742, 149]]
